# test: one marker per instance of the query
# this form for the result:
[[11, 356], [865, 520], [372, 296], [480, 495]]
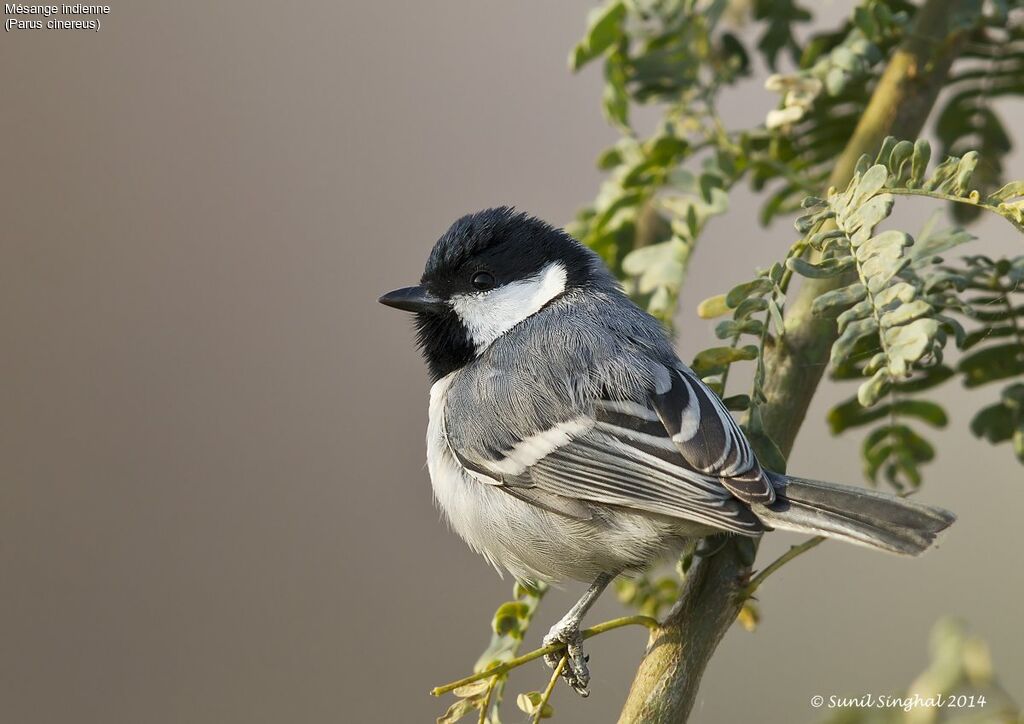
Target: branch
[[600, 628], [778, 563], [546, 696], [967, 200], [666, 684]]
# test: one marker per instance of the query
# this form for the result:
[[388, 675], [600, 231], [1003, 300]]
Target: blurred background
[[213, 500]]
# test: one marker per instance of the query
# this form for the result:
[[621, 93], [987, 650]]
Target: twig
[[778, 563], [600, 628], [546, 696], [487, 702], [976, 203]]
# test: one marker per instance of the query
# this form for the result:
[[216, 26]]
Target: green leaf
[[1007, 192], [730, 328], [995, 423], [776, 315], [843, 346], [604, 28], [739, 293], [713, 307], [899, 292], [902, 152], [906, 313], [924, 410], [458, 710], [524, 589], [508, 618], [821, 270], [780, 15], [609, 158], [472, 689], [925, 379], [860, 222], [869, 392], [897, 451], [919, 162], [860, 310], [530, 703], [869, 184], [658, 265], [908, 343], [737, 403], [964, 172], [615, 98], [708, 182], [838, 299], [852, 414], [992, 363], [750, 306], [712, 361]]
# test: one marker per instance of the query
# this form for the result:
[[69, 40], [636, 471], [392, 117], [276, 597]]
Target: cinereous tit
[[566, 440]]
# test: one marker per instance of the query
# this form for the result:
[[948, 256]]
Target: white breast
[[462, 499]]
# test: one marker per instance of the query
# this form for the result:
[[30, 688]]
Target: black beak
[[411, 299]]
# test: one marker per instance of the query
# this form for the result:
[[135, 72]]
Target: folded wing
[[620, 454]]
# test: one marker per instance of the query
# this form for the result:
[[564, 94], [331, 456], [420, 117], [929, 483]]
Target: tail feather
[[856, 515]]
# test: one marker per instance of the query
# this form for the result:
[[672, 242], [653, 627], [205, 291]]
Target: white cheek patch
[[488, 315]]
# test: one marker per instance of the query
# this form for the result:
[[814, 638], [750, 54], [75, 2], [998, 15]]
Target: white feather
[[539, 446], [689, 423]]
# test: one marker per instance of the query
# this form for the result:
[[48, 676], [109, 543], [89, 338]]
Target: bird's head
[[485, 275]]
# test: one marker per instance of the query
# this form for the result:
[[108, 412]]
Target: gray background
[[213, 504]]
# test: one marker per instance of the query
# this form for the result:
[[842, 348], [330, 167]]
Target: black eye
[[482, 281]]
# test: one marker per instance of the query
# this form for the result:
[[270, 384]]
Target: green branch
[[778, 563], [546, 696], [968, 200], [507, 666]]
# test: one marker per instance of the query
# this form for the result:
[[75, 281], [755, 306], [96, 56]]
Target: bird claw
[[575, 672]]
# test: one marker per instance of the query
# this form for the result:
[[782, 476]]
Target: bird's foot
[[575, 672]]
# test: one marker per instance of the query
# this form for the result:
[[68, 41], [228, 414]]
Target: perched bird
[[566, 440]]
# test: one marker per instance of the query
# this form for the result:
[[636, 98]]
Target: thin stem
[[546, 696], [600, 628], [786, 173], [734, 343], [487, 702], [778, 563], [955, 199]]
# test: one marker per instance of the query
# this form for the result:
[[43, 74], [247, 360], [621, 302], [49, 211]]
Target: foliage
[[649, 213], [821, 104], [896, 314], [991, 67], [995, 349], [649, 596]]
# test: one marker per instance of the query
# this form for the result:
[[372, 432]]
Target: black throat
[[445, 342]]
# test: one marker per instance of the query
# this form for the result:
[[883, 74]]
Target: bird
[[566, 440]]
